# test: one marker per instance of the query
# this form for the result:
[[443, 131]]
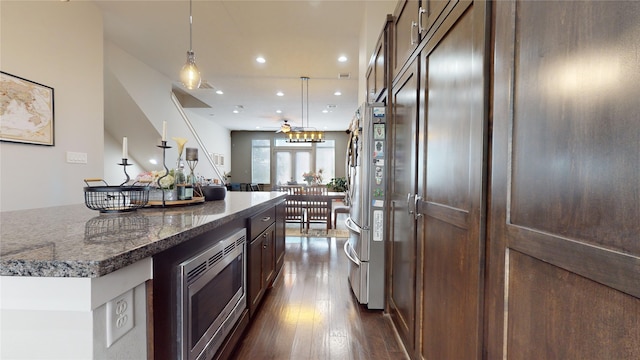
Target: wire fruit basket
[[113, 199]]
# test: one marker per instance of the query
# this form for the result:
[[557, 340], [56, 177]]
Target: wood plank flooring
[[311, 313]]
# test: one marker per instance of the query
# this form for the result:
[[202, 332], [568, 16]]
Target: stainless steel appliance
[[212, 296], [366, 184]]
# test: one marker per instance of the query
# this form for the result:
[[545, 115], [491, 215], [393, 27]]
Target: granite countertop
[[74, 241]]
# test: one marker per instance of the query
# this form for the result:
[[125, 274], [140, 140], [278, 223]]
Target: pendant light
[[307, 134], [190, 75]]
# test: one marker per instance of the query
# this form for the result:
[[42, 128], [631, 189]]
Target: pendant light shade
[[190, 75]]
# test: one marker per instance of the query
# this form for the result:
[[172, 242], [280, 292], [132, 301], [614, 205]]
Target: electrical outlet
[[119, 317], [76, 157]]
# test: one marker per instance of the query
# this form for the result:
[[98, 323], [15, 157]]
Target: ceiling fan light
[[190, 75]]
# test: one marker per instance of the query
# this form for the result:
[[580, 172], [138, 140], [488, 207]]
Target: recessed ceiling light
[[342, 58], [278, 111], [280, 93], [261, 60], [219, 92], [153, 161], [325, 111], [337, 93]]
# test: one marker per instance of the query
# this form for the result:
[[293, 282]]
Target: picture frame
[[27, 110]]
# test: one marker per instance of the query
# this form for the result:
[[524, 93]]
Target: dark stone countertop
[[74, 241]]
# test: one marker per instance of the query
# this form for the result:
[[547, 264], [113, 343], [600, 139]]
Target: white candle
[[124, 148], [164, 131]]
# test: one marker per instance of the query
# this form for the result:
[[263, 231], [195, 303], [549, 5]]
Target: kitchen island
[[60, 267]]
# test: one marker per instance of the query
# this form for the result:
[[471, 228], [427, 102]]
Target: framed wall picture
[[26, 109]]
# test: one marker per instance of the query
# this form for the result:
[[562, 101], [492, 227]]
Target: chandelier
[[306, 134], [190, 75]]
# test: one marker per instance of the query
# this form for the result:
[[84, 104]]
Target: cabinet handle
[[416, 202], [265, 219], [409, 211], [413, 24], [420, 28], [264, 235]]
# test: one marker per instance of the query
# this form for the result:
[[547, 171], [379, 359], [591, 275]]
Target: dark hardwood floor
[[311, 313]]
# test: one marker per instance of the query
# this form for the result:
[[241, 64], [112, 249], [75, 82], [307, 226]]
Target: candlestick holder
[[164, 148], [124, 164]]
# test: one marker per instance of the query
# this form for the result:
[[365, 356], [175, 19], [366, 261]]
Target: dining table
[[325, 199]]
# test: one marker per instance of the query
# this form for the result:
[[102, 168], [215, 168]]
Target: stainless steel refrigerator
[[366, 191]]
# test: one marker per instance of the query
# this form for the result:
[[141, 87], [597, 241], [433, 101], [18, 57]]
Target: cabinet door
[[405, 32], [402, 258], [255, 282], [452, 175], [564, 255], [371, 84], [268, 255], [430, 11], [280, 236], [379, 66]]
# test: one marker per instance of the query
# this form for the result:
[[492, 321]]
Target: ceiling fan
[[286, 127]]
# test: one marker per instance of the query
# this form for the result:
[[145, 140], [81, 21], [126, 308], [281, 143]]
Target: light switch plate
[[119, 317], [76, 157]]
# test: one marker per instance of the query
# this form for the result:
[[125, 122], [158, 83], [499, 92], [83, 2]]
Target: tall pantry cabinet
[[563, 279], [439, 142], [514, 195]]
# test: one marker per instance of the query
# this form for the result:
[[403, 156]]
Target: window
[[260, 161], [291, 164], [294, 159], [326, 159]]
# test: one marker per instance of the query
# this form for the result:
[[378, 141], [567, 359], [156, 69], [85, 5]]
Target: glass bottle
[[184, 191]]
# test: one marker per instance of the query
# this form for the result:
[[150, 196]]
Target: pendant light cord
[[302, 98], [190, 27]]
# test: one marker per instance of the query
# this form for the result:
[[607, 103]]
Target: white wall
[[149, 93], [58, 44]]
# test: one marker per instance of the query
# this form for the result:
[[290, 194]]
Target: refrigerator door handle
[[347, 248], [352, 226]]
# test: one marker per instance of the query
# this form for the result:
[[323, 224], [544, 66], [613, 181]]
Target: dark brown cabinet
[[513, 225], [377, 72], [414, 22], [260, 266], [439, 135], [280, 236], [265, 253], [564, 256], [260, 257], [405, 33]]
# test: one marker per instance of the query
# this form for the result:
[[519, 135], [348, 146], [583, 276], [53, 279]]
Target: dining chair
[[293, 206], [317, 206]]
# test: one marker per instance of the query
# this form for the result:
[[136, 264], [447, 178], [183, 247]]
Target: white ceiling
[[297, 38]]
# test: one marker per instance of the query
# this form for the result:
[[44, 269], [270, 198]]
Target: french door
[[291, 164]]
